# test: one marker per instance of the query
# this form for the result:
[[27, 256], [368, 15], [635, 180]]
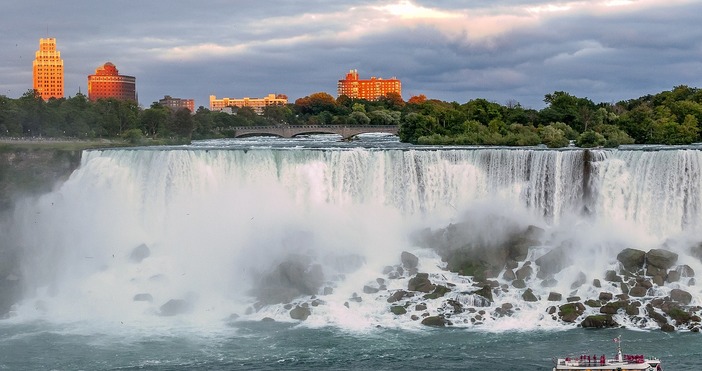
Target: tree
[[181, 123], [553, 137], [416, 125], [153, 120], [590, 139]]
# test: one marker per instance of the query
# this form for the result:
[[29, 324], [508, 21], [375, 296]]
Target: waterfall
[[216, 220]]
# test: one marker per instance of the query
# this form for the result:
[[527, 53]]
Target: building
[[257, 104], [177, 103], [108, 83], [48, 70], [372, 89]]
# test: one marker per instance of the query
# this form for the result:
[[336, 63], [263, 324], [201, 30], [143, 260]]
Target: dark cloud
[[241, 48]]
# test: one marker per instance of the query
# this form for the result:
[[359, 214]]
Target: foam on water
[[216, 221]]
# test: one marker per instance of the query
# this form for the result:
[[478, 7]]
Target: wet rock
[[658, 280], [612, 276], [593, 303], [681, 296], [529, 296], [570, 312], [554, 296], [139, 253], [685, 271], [143, 297], [632, 259], [554, 261], [294, 277], [327, 291], [397, 296], [438, 292], [421, 283], [524, 273], [398, 310], [520, 284], [300, 313], [370, 289], [638, 291], [599, 321], [572, 299], [267, 319], [409, 260], [579, 281], [549, 282], [606, 296], [435, 321], [660, 258], [420, 307], [673, 276], [596, 282], [175, 307], [613, 307], [666, 327], [509, 275], [485, 292]]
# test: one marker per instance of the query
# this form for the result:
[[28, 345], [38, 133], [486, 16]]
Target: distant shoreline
[[58, 143]]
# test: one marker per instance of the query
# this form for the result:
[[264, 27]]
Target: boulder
[[409, 260], [612, 276], [613, 307], [673, 276], [397, 296], [485, 292], [685, 271], [554, 296], [632, 259], [570, 312], [554, 261], [606, 296], [638, 291], [300, 313], [599, 321], [296, 276], [370, 289], [509, 275], [660, 258], [435, 321], [139, 253], [520, 243], [524, 273], [175, 307], [680, 296], [580, 280], [528, 295], [438, 292], [596, 283], [420, 282], [398, 310], [520, 284]]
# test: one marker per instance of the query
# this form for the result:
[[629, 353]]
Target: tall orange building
[[372, 89], [48, 70], [108, 83]]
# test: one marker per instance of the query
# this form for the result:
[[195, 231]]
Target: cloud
[[499, 50]]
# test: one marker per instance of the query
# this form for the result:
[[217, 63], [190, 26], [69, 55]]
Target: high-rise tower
[[108, 83], [48, 70]]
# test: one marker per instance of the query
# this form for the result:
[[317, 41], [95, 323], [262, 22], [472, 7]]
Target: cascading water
[[215, 223]]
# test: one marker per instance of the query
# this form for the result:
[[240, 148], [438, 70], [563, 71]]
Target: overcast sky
[[511, 50]]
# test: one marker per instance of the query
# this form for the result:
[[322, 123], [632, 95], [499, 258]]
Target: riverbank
[[66, 144]]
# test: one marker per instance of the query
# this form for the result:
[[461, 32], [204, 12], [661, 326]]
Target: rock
[[435, 321], [661, 258], [579, 281], [370, 289], [554, 296], [139, 253], [593, 303], [327, 291], [175, 307], [632, 259], [520, 284], [143, 297], [638, 291], [572, 299], [420, 307], [596, 283], [398, 310], [524, 273], [267, 320], [509, 275], [294, 277], [673, 276], [300, 313], [438, 292], [612, 276], [554, 261], [680, 296], [658, 280], [421, 283], [397, 296], [485, 292], [655, 271], [606, 296], [570, 312], [409, 260], [598, 321], [613, 307], [685, 271], [666, 327], [528, 295]]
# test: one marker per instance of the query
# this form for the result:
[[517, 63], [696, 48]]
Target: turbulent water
[[214, 219]]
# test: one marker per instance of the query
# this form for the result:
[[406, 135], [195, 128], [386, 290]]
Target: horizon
[[512, 51]]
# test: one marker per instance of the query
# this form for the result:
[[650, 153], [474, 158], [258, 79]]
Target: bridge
[[289, 131]]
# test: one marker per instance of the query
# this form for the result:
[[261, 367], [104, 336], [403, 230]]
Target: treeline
[[669, 117]]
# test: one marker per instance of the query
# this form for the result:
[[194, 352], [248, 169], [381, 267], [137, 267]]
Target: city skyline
[[504, 51]]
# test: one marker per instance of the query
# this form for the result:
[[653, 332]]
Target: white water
[[216, 220]]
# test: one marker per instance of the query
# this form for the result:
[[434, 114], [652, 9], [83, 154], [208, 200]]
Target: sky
[[510, 51]]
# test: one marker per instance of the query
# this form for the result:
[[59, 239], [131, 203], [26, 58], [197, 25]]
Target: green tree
[[553, 137], [414, 125], [590, 139]]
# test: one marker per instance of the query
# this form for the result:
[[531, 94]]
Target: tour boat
[[621, 362]]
